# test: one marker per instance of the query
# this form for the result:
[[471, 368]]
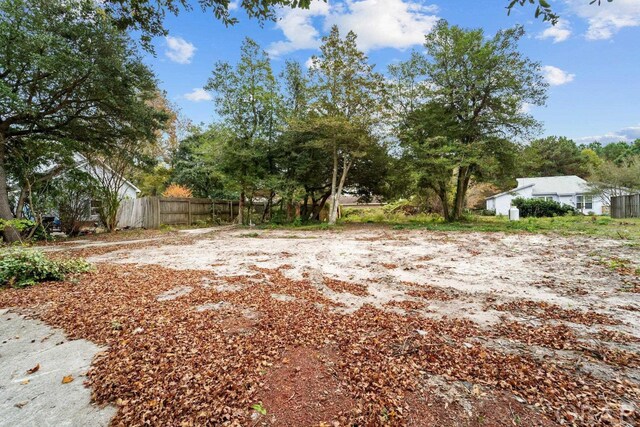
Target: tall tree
[[474, 91], [69, 80], [247, 99], [347, 94]]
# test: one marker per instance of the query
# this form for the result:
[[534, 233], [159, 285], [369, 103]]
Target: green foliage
[[248, 101], [71, 82], [616, 152], [153, 183], [458, 124], [18, 224], [259, 408], [539, 208], [554, 156], [347, 100], [147, 16], [23, 267]]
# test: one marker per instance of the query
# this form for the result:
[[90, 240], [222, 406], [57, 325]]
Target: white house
[[105, 176], [569, 190]]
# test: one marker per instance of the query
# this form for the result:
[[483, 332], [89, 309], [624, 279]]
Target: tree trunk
[[319, 206], [10, 234], [444, 199], [304, 209], [461, 192], [240, 217], [267, 208], [20, 204], [334, 188], [333, 216]]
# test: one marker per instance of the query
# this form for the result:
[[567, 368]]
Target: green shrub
[[21, 267], [539, 208]]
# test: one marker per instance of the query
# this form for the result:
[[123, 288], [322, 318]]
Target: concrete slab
[[40, 398]]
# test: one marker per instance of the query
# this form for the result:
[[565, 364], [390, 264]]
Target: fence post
[[189, 211], [158, 217]]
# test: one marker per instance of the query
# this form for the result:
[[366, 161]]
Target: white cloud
[[179, 50], [608, 18], [559, 32], [555, 76], [398, 24], [234, 5], [309, 62], [198, 95], [379, 24], [526, 107], [628, 134], [297, 26]]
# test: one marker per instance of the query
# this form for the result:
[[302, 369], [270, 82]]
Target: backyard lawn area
[[484, 323]]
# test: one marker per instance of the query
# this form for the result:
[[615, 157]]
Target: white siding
[[502, 203]]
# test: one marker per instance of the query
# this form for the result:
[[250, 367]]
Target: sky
[[591, 58]]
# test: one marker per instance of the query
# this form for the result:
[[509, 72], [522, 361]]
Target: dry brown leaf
[[34, 369]]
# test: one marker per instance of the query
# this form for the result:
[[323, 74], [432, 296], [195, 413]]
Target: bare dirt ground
[[363, 325]]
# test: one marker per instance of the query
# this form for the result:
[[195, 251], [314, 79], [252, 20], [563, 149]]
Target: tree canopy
[[69, 82], [468, 107]]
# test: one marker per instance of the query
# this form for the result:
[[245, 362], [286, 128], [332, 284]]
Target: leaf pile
[[546, 311], [342, 286], [429, 292], [558, 337], [185, 362]]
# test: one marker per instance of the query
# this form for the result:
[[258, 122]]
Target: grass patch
[[599, 226]]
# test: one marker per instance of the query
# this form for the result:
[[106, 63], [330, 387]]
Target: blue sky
[[591, 59]]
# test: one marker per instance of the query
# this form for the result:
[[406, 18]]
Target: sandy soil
[[567, 271], [490, 303]]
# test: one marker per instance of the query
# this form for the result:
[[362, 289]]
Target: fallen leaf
[[24, 382], [67, 379], [34, 369], [21, 404]]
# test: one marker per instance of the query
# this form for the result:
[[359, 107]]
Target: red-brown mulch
[[170, 364], [429, 408], [303, 389]]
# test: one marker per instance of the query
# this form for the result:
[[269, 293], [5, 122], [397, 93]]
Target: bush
[[177, 190], [20, 268], [539, 208]]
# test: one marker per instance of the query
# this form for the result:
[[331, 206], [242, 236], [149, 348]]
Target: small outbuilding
[[569, 190]]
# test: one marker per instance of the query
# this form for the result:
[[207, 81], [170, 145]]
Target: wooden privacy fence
[[625, 206], [152, 212]]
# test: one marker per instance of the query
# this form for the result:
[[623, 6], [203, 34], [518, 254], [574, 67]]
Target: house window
[[94, 208], [584, 202], [545, 198]]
